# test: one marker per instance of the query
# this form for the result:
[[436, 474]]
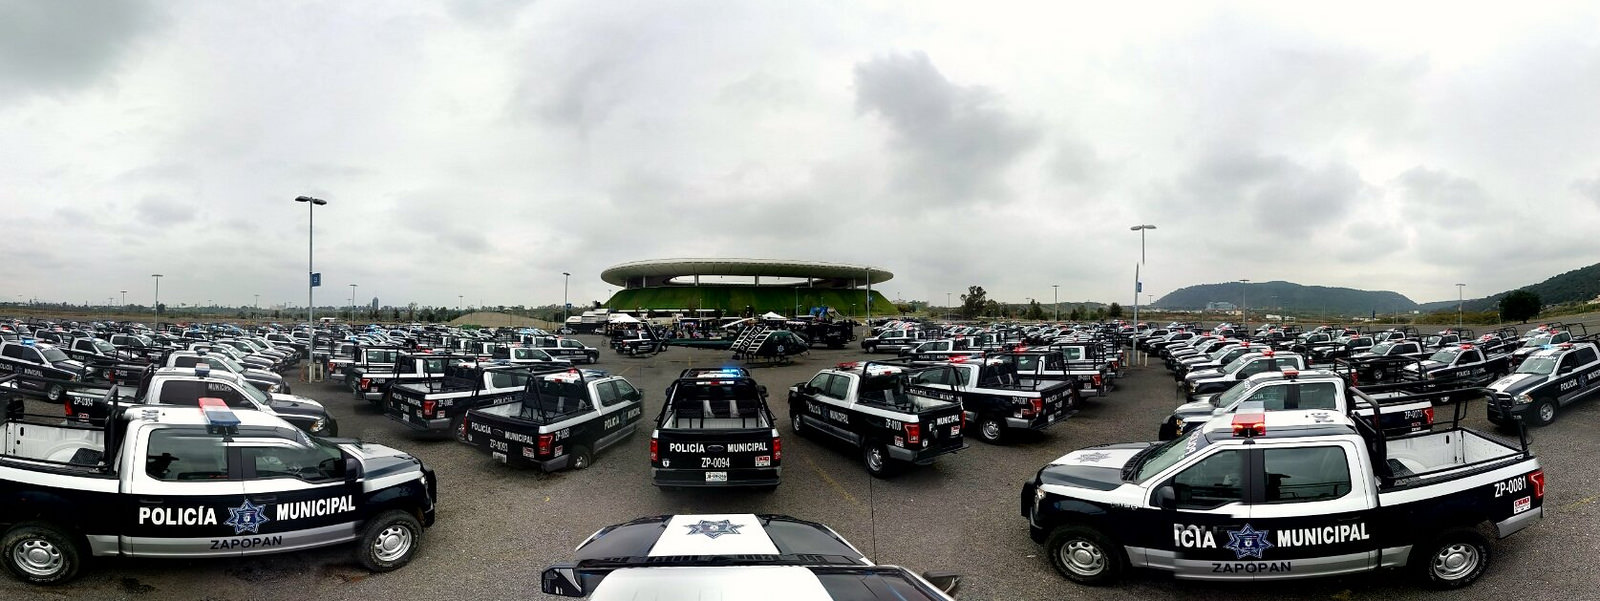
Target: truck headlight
[[1523, 399], [1177, 422], [319, 425], [272, 389], [1038, 495]]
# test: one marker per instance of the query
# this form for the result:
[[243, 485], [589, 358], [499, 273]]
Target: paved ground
[[498, 527]]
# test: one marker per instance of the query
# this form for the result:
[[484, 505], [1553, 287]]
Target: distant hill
[[1288, 296], [1581, 284]]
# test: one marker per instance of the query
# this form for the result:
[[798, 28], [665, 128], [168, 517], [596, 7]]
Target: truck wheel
[[875, 457], [55, 393], [40, 554], [1543, 412], [795, 422], [285, 388], [582, 457], [1084, 555], [389, 541], [992, 430], [1454, 560]]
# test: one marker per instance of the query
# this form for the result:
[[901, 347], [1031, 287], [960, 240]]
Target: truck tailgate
[[501, 436], [716, 449]]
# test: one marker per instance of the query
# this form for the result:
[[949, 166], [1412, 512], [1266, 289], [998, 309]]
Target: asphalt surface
[[498, 527]]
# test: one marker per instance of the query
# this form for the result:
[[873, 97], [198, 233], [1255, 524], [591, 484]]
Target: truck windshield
[[53, 355], [104, 347], [1445, 356], [1537, 341], [1541, 366], [1227, 399], [1383, 348], [1169, 453]]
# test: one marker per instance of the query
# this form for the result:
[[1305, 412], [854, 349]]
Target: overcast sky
[[480, 148]]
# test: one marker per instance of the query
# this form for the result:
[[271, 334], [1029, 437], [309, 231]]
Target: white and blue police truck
[[733, 556], [195, 482]]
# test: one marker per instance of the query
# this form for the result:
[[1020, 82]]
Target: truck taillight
[[1038, 405], [913, 434], [1096, 380], [545, 440], [68, 408], [427, 408], [1427, 415], [365, 384], [777, 448], [655, 452], [1537, 480], [464, 426]]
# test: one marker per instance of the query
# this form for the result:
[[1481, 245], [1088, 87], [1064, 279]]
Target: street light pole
[[157, 306], [1459, 302], [1057, 288], [124, 298], [311, 270], [1138, 286], [566, 278], [1244, 306], [352, 303]]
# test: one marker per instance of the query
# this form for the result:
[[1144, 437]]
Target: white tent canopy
[[772, 315], [623, 318]]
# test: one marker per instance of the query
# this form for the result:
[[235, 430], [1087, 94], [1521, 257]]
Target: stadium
[[731, 286]]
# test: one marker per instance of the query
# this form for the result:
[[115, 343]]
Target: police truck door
[[299, 485], [1209, 525], [186, 495], [1311, 514]]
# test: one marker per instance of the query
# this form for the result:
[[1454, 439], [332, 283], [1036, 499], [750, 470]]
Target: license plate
[[716, 476], [501, 457], [955, 430]]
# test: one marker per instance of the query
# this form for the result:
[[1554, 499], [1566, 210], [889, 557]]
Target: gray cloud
[[158, 211], [1272, 195], [1588, 187], [62, 45], [953, 143]]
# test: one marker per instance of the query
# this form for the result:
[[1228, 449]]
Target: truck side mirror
[[1166, 497], [562, 580], [946, 582], [352, 469]]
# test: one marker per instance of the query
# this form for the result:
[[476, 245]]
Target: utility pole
[[566, 305], [311, 270], [1057, 288], [157, 307]]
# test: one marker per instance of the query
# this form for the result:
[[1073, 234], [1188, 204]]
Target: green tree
[[974, 302], [395, 315], [1519, 305], [1115, 311], [1075, 315], [1034, 310]]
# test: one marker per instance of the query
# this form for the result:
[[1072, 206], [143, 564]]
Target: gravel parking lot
[[498, 527]]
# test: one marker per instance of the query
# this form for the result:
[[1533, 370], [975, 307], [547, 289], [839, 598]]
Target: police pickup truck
[[368, 359], [1289, 390], [998, 400], [875, 407], [266, 381], [715, 429], [1217, 358], [199, 482], [44, 369], [1215, 381], [527, 355], [186, 386], [437, 405], [1466, 362], [939, 350], [1086, 377], [733, 556], [372, 381], [560, 419], [893, 341], [1281, 495], [1379, 363], [637, 341], [1545, 382], [1341, 348], [571, 349]]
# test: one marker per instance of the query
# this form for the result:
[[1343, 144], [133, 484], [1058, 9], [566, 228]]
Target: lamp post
[[566, 305], [311, 247], [458, 302], [1244, 306], [124, 298], [157, 306], [1057, 291], [352, 303], [1138, 286], [1459, 302]]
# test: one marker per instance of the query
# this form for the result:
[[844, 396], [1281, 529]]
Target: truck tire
[[389, 541], [1084, 555], [1453, 560], [1543, 412], [795, 422], [992, 429], [875, 457], [39, 553], [582, 458]]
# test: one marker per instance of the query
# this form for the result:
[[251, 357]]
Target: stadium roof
[[659, 272]]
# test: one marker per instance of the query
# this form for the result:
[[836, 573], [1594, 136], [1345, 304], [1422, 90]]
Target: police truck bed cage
[[728, 397], [1394, 474], [549, 394]]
